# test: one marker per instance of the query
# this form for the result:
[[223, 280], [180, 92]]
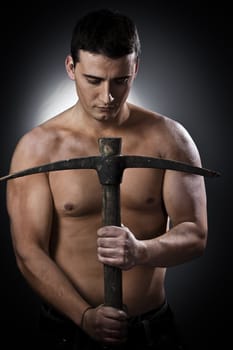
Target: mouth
[[106, 108]]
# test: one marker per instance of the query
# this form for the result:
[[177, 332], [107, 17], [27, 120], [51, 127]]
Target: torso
[[77, 196]]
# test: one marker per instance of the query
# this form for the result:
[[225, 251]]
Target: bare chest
[[78, 192]]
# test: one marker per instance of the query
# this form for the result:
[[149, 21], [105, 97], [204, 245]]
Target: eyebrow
[[96, 77]]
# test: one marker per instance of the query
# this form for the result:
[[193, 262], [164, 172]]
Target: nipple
[[69, 206]]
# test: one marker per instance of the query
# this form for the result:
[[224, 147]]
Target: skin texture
[[56, 217]]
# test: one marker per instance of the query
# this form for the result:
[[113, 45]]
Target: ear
[[136, 66], [69, 64]]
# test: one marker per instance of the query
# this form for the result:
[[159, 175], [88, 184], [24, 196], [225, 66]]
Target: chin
[[106, 117]]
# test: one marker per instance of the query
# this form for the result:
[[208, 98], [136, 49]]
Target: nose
[[111, 98], [106, 94]]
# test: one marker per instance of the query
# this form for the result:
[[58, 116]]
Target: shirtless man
[[55, 217]]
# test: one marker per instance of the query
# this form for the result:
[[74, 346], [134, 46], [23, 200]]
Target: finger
[[107, 252], [108, 260], [115, 334], [110, 231], [118, 331], [111, 324], [115, 313], [111, 253], [106, 243]]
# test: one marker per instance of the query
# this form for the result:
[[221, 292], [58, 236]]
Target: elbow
[[25, 255], [200, 242], [22, 258], [200, 248], [20, 264]]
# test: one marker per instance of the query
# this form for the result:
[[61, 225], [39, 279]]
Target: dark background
[[185, 73]]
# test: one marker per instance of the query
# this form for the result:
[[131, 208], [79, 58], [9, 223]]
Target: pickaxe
[[110, 166]]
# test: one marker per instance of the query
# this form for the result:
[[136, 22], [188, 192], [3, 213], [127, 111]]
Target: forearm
[[50, 282], [181, 243]]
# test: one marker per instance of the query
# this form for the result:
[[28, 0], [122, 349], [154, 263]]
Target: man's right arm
[[30, 208]]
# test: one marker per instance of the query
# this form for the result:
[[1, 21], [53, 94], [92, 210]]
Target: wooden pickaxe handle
[[111, 216]]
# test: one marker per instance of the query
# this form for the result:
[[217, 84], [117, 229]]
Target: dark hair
[[105, 32]]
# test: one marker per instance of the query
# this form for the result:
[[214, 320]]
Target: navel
[[150, 200]]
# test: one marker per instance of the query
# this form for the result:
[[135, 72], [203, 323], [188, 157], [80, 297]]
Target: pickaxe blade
[[166, 164], [123, 162], [68, 164], [110, 166]]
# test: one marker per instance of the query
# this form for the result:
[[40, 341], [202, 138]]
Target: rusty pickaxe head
[[110, 166]]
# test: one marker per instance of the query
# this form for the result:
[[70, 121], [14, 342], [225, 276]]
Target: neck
[[101, 127]]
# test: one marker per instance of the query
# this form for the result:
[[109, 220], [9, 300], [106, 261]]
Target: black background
[[185, 73]]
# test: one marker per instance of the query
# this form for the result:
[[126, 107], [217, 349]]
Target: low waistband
[[150, 315], [52, 313]]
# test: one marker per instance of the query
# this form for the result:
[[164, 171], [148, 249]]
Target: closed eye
[[96, 81], [93, 81], [121, 81]]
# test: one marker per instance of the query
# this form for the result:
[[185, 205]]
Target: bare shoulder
[[170, 137], [147, 118], [178, 143], [36, 146]]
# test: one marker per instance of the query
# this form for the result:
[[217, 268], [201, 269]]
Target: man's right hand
[[106, 324]]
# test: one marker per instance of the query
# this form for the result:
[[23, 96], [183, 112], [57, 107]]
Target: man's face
[[103, 84]]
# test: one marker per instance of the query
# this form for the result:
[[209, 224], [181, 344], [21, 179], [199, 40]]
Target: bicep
[[184, 193], [185, 198], [29, 205]]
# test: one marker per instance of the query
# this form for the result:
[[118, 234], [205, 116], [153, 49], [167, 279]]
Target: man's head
[[107, 33]]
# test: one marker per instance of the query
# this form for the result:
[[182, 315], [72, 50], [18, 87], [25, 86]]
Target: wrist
[[83, 316], [142, 253]]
